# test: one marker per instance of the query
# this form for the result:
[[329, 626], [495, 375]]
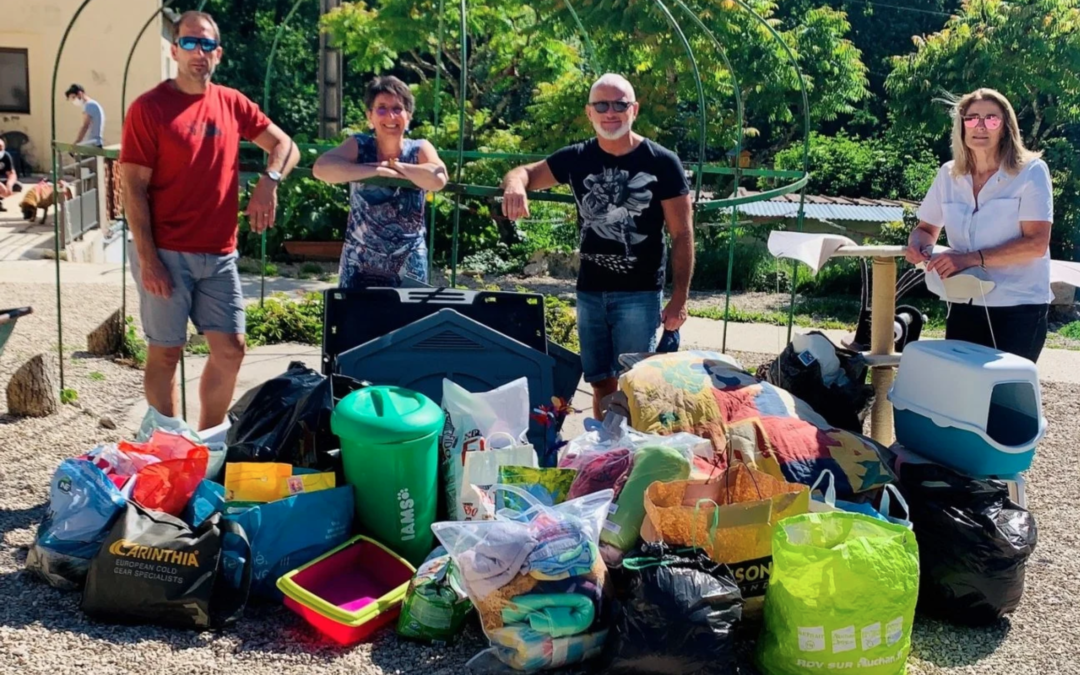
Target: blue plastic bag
[[209, 498], [83, 504], [292, 532], [827, 502]]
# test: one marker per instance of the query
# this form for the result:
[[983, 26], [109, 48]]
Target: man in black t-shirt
[[8, 177], [627, 188]]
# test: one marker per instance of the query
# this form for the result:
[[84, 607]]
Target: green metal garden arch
[[798, 182]]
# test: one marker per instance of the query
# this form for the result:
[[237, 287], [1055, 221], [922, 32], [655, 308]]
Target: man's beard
[[611, 135], [204, 76]]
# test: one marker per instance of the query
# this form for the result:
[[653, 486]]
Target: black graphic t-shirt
[[619, 212], [7, 165]]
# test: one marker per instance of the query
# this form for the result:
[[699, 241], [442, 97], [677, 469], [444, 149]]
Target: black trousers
[[1020, 329]]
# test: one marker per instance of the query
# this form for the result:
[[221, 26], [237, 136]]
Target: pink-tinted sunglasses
[[992, 121]]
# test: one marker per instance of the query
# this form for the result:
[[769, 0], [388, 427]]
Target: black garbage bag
[[974, 543], [843, 405], [676, 613], [287, 419]]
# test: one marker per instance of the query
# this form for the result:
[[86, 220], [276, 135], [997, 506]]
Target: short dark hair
[[388, 84], [74, 90], [193, 15]]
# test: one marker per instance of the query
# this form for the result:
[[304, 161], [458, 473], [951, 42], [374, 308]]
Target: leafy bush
[[1071, 330], [492, 261], [282, 319], [884, 167], [133, 347], [754, 269], [560, 321], [308, 210]]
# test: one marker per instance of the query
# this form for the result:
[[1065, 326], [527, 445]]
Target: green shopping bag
[[841, 596]]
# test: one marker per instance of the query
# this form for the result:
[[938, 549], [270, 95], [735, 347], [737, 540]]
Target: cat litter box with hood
[[974, 409]]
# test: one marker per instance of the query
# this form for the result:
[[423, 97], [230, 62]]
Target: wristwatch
[[273, 175]]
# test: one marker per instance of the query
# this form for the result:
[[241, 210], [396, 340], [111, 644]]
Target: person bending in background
[[386, 237], [627, 188], [995, 201]]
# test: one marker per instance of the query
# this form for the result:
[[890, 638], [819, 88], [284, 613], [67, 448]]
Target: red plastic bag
[[169, 484]]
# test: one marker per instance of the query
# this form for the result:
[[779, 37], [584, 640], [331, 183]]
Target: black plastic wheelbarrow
[[8, 317]]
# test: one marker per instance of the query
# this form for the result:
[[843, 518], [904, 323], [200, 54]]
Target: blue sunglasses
[[188, 44]]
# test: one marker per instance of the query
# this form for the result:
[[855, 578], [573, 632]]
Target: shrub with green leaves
[[560, 321], [133, 346], [283, 319]]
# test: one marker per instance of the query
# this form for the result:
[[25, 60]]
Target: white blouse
[[992, 220]]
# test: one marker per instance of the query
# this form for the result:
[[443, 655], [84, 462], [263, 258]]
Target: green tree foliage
[[530, 68], [880, 31], [1027, 49], [843, 165], [248, 28]]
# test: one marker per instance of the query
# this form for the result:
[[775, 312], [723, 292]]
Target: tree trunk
[[106, 339], [32, 391]]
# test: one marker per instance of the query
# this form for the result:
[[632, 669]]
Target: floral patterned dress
[[385, 238]]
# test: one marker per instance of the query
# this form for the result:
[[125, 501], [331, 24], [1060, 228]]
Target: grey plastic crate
[[449, 345]]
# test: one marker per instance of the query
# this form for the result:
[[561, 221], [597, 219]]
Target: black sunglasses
[[618, 106], [188, 44]]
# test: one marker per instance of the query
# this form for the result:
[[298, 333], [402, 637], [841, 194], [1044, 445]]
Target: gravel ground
[[42, 630]]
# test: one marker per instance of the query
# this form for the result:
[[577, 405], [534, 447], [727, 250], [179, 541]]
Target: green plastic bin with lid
[[389, 451]]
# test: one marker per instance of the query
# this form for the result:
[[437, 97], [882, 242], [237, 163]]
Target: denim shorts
[[614, 323], [205, 288]]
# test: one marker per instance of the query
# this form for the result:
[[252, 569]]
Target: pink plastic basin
[[351, 592]]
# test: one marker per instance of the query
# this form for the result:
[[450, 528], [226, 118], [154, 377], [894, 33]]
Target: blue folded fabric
[[562, 551]]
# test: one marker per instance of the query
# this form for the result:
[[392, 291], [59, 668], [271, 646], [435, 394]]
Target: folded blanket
[[766, 427], [563, 550], [558, 615], [651, 464], [523, 648], [497, 558]]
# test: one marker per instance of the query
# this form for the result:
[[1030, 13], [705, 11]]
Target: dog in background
[[41, 197]]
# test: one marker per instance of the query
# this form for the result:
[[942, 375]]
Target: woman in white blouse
[[995, 201]]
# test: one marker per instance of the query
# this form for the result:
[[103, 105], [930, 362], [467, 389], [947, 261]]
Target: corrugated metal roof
[[821, 207], [849, 212]]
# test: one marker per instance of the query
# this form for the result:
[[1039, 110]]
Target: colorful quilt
[[763, 425]]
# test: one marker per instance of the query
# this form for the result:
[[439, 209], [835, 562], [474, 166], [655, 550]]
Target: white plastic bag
[[470, 419], [153, 420], [476, 500], [502, 562]]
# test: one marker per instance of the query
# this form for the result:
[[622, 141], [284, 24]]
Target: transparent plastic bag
[[154, 420], [581, 450], [213, 439], [471, 418], [537, 579]]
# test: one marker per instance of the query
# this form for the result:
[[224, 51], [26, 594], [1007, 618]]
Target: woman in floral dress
[[386, 238]]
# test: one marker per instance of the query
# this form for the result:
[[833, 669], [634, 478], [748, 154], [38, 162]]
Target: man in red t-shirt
[[180, 163]]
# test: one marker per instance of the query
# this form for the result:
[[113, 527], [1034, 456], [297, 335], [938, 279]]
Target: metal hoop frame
[[798, 179]]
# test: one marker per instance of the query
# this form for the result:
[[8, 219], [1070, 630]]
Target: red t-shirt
[[192, 143]]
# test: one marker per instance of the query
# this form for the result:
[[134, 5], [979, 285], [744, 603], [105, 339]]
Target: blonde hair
[[1011, 151]]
